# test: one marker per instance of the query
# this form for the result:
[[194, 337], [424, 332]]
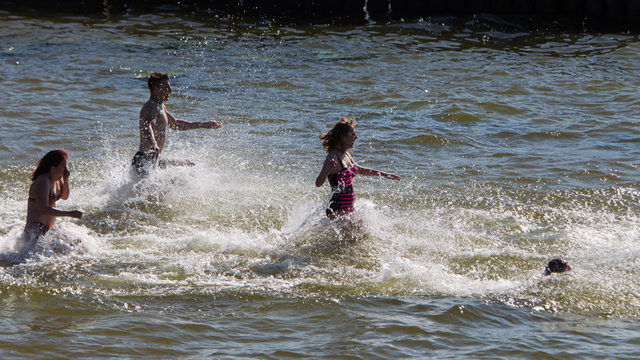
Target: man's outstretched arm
[[178, 124]]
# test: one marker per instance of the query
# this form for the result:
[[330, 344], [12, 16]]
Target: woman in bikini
[[340, 168], [49, 183]]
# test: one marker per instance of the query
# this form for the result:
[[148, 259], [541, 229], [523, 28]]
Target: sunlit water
[[514, 147]]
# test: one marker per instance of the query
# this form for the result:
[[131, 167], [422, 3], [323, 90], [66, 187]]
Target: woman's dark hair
[[333, 137], [155, 79], [52, 158]]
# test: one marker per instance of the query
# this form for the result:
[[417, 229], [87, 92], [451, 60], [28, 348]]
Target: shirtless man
[[154, 119]]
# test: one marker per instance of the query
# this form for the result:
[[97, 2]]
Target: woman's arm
[[329, 167], [41, 189], [372, 172]]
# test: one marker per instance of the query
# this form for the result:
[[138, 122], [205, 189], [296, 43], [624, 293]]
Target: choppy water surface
[[515, 147]]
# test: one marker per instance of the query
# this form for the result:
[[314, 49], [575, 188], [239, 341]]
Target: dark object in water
[[557, 266]]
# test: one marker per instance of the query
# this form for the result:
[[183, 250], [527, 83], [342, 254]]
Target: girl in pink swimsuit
[[342, 187], [336, 142]]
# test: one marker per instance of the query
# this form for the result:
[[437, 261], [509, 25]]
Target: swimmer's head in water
[[557, 266]]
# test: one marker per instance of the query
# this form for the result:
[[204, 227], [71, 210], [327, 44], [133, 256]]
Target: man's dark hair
[[155, 79]]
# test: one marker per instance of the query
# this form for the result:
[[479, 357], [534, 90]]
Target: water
[[514, 147]]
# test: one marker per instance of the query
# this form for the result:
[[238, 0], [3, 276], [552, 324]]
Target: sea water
[[514, 147]]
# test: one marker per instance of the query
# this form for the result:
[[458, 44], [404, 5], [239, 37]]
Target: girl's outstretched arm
[[372, 172]]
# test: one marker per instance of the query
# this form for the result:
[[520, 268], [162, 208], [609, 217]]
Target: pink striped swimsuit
[[342, 186]]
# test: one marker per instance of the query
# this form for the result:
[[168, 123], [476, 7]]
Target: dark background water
[[578, 15], [514, 147]]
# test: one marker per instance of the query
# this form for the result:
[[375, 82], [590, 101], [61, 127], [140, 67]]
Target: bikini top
[[343, 178], [53, 197]]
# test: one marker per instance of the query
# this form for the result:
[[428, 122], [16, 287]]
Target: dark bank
[[619, 15]]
